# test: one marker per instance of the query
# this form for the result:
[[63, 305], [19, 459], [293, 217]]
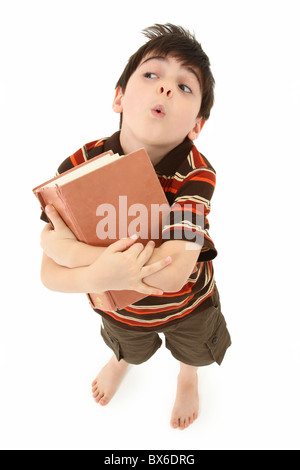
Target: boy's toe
[[182, 423], [104, 401], [97, 398]]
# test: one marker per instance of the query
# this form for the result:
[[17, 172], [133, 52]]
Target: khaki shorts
[[199, 340]]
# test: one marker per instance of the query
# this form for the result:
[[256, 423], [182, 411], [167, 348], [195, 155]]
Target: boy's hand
[[122, 266], [56, 242]]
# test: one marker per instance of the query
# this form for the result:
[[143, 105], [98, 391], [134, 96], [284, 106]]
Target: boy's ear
[[194, 133], [117, 103]]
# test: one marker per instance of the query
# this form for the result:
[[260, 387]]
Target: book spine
[[42, 202], [102, 301]]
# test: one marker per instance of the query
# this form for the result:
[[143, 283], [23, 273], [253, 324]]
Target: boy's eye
[[150, 75], [185, 88]]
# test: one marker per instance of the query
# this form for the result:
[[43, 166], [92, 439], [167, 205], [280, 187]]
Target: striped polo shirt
[[188, 180]]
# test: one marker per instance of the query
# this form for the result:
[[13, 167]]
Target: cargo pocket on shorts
[[219, 342], [112, 343]]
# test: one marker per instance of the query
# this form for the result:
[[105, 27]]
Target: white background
[[60, 60]]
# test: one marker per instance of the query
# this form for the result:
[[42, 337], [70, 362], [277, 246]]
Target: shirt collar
[[113, 143], [168, 165]]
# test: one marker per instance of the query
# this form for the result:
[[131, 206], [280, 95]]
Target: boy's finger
[[136, 249], [54, 217], [155, 267], [123, 244], [148, 290], [146, 254]]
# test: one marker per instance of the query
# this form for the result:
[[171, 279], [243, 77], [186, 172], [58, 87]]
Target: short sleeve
[[188, 217]]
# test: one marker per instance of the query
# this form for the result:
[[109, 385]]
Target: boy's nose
[[165, 90]]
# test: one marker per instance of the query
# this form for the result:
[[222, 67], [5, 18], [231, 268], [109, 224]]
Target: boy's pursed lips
[[158, 110]]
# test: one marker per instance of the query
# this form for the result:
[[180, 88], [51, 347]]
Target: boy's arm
[[121, 266], [61, 279], [184, 258], [62, 246]]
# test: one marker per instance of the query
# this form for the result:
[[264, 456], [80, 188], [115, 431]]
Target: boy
[[164, 97]]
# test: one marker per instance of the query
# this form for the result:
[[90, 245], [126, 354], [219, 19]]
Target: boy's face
[[161, 103]]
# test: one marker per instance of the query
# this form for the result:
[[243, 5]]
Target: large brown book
[[107, 198]]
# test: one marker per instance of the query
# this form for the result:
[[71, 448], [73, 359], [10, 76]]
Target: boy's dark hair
[[170, 40]]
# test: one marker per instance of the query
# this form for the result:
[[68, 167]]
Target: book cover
[[107, 198]]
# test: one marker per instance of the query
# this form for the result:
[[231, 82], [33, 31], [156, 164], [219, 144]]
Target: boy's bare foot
[[108, 380], [186, 406]]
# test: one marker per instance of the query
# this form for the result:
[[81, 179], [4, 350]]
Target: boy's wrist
[[72, 254], [81, 254], [90, 283], [67, 254]]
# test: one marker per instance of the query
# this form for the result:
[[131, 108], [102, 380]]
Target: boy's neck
[[155, 152]]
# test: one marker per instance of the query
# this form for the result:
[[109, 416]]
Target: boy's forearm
[[61, 279], [173, 277], [81, 254], [164, 279]]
